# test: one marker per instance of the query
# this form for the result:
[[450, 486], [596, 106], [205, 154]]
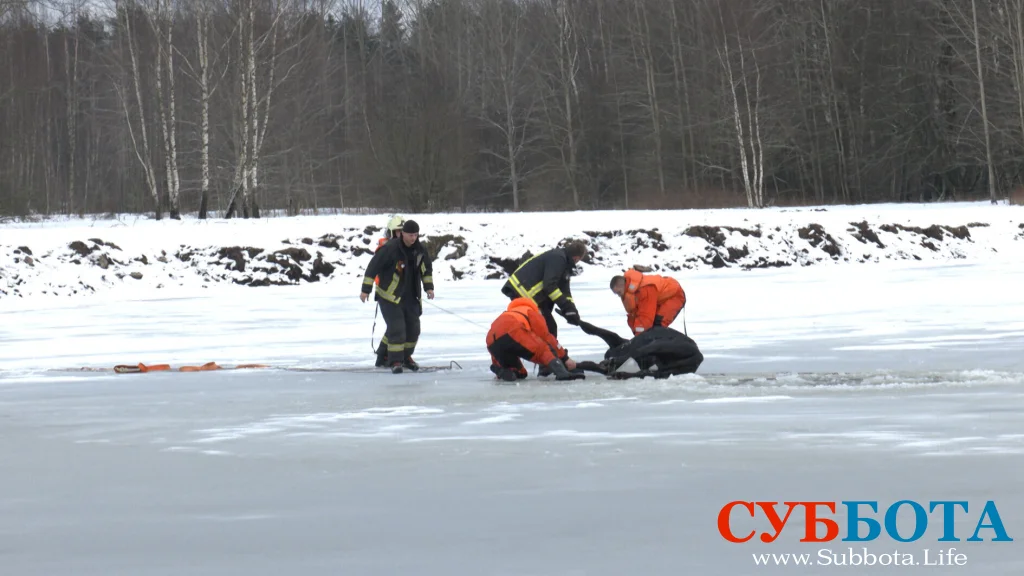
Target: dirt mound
[[818, 238]]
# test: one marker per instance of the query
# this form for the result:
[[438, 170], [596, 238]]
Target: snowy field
[[869, 379]]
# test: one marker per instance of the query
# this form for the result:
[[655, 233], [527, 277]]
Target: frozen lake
[[907, 394], [243, 473]]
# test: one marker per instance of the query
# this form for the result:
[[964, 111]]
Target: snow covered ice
[[888, 379]]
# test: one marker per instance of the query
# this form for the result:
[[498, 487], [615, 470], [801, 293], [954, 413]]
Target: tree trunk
[[652, 90], [984, 110], [682, 89], [567, 61], [202, 27], [144, 155], [752, 168], [71, 72]]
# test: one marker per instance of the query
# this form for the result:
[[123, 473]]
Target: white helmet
[[395, 223]]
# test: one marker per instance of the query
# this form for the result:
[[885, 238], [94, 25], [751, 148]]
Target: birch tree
[[205, 74], [984, 110], [748, 131], [561, 110], [162, 24], [256, 99], [142, 150], [71, 45]]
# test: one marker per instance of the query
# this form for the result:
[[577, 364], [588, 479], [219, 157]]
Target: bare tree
[[202, 73], [682, 95], [749, 135], [508, 59], [256, 103], [130, 10], [71, 44], [1012, 14], [643, 40], [161, 22], [261, 105], [561, 111], [202, 42], [984, 110]]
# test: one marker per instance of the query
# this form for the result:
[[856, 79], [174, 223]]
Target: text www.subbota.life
[[863, 557]]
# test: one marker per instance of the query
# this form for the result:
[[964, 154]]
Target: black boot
[[396, 368], [411, 364], [558, 369], [562, 373], [382, 355], [504, 374]]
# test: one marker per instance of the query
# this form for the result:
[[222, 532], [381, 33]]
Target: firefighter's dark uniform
[[382, 348], [401, 270], [544, 278]]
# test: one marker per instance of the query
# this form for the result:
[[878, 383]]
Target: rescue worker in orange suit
[[392, 231], [650, 300], [402, 265], [521, 333]]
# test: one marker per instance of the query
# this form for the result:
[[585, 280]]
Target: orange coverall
[[521, 332], [650, 299]]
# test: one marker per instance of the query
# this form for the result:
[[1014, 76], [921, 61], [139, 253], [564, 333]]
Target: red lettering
[[723, 521], [773, 517], [811, 522]]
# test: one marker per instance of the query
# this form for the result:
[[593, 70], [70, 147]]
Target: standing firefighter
[[393, 231], [521, 333], [650, 300], [401, 264], [544, 278]]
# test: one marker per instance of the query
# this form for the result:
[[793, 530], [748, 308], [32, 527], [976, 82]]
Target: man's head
[[576, 250], [618, 285], [410, 232]]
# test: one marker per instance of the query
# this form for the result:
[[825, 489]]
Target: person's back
[[649, 299], [520, 333], [545, 279]]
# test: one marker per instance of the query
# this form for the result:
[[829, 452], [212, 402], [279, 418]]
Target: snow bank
[[137, 255]]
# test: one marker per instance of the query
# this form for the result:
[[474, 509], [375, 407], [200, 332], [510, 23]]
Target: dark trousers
[[547, 310], [507, 356], [403, 330]]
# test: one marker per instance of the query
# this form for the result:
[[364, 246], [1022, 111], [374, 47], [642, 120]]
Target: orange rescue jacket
[[524, 313], [644, 294]]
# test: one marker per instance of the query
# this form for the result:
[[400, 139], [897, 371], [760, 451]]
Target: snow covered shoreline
[[138, 255]]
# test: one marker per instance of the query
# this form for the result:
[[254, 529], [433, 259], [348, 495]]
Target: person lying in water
[[659, 352]]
